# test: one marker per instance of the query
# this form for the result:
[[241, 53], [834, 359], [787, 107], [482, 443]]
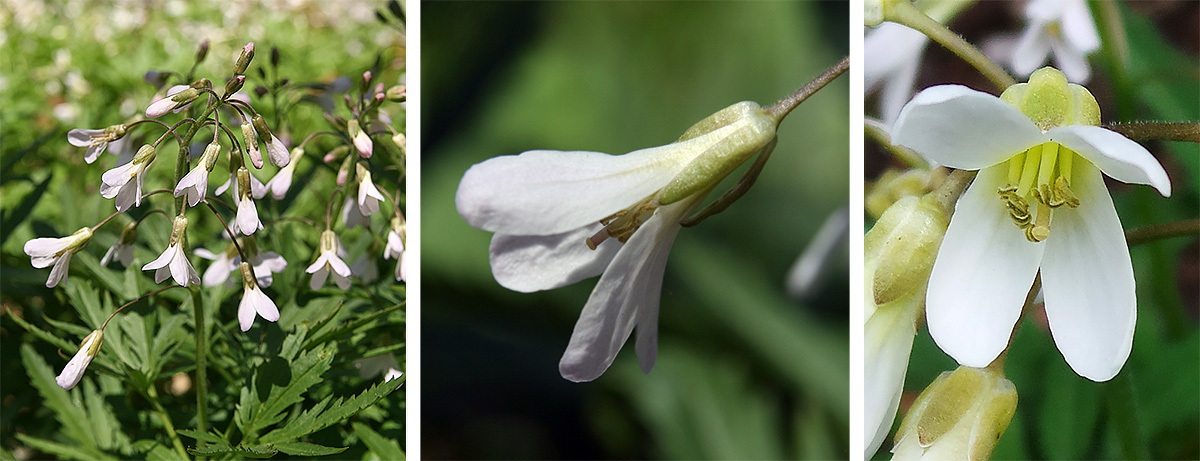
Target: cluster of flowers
[[1037, 209], [124, 184]]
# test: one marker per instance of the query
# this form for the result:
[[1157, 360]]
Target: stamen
[[624, 223], [1029, 173], [1049, 158], [1040, 229]]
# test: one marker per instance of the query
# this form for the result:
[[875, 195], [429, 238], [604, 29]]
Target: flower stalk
[[905, 13], [782, 108]]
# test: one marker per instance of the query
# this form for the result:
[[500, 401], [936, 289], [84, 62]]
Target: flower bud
[[903, 244], [129, 234], [397, 93], [367, 77], [243, 179], [335, 154], [260, 124], [362, 141], [178, 229], [960, 416], [234, 84], [344, 172], [202, 51], [202, 84], [252, 145], [88, 349], [145, 154], [211, 153], [243, 60], [752, 128]]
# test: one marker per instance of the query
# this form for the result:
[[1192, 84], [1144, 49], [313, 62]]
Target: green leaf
[[381, 446], [72, 417], [61, 450], [23, 210], [109, 279], [202, 436], [257, 451], [304, 372], [40, 333], [319, 417], [312, 449], [103, 421]]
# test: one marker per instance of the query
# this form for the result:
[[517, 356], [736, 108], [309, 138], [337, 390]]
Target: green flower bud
[[904, 242], [960, 416]]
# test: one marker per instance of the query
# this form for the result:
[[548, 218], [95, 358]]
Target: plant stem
[[1116, 50], [201, 363], [1161, 231], [905, 13], [952, 187], [782, 108], [876, 130], [152, 394], [1146, 131], [181, 162]]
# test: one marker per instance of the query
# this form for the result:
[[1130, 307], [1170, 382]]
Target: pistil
[[624, 223]]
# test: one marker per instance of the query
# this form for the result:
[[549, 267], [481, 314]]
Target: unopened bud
[[243, 60], [362, 141], [210, 155], [243, 179], [397, 93], [367, 77], [234, 84], [202, 84], [252, 145], [335, 154], [144, 154], [129, 234], [260, 124], [202, 51], [960, 416], [344, 172], [905, 243]]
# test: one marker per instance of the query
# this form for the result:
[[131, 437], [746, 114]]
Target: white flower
[[195, 183], [178, 98], [279, 184], [252, 145], [384, 364], [554, 213], [368, 196], [891, 59], [960, 415], [223, 264], [123, 249], [95, 140], [328, 262], [365, 269], [395, 246], [258, 190], [265, 264], [362, 141], [57, 251], [125, 182], [275, 148], [254, 301], [1035, 170], [1063, 28], [247, 221], [73, 372], [173, 262]]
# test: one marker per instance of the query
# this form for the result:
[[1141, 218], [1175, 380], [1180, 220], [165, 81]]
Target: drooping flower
[[277, 152], [251, 140], [223, 264], [1040, 156], [73, 372], [254, 301], [45, 251], [258, 190], [96, 141], [195, 183], [368, 196], [329, 262], [1060, 28], [560, 217], [898, 254], [173, 262], [365, 269], [279, 184], [123, 249], [125, 182], [247, 221], [178, 98], [960, 415], [362, 141], [395, 246], [265, 264], [352, 215]]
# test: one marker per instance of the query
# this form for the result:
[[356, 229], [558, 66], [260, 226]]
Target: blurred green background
[[742, 371], [1151, 410], [80, 64]]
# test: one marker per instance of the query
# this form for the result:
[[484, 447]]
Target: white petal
[[279, 184], [217, 272], [265, 306], [339, 267], [983, 271], [318, 278], [319, 263], [888, 340], [646, 345], [108, 255], [1117, 156], [82, 138], [1078, 28], [535, 262], [1031, 50], [1071, 61], [125, 255], [247, 217], [59, 272], [162, 261], [246, 309], [73, 372], [160, 107], [1088, 282], [162, 273], [962, 128], [630, 285], [888, 50], [270, 261], [278, 153], [225, 185], [116, 178], [549, 192], [204, 253], [179, 266], [93, 152], [341, 281], [45, 247], [257, 188]]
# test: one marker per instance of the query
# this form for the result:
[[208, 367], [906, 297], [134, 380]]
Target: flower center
[[1039, 180], [624, 223]]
